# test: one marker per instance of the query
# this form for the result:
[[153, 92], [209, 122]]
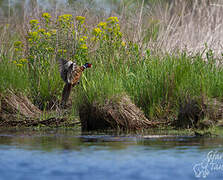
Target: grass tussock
[[136, 62], [118, 113]]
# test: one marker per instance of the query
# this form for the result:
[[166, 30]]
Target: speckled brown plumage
[[75, 75]]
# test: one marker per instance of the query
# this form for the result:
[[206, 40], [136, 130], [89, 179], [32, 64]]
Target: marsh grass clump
[[191, 111], [18, 105], [116, 113]]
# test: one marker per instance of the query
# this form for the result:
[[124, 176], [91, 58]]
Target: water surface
[[54, 154]]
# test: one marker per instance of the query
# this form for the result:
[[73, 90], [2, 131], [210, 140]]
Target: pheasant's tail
[[66, 93]]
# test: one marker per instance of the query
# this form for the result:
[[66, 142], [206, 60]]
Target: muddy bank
[[116, 113]]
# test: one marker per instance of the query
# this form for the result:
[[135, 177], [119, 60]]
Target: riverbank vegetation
[[167, 63]]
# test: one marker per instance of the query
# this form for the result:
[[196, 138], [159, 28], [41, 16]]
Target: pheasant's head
[[87, 65]]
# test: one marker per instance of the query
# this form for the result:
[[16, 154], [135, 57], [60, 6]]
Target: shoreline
[[10, 117]]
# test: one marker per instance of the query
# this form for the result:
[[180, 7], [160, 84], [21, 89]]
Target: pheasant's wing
[[63, 70], [76, 76], [66, 67], [62, 63], [72, 70]]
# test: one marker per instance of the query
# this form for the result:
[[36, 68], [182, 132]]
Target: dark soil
[[200, 114]]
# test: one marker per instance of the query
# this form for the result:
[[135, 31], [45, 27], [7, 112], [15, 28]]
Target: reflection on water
[[56, 154], [53, 140]]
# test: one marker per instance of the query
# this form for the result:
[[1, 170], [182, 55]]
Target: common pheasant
[[70, 72]]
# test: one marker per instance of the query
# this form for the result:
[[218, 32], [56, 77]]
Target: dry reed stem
[[19, 104], [121, 114], [192, 30]]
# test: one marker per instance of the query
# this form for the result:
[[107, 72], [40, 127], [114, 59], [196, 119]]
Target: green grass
[[13, 77], [156, 84]]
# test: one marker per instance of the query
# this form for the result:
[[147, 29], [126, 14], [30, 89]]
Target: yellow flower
[[42, 30], [117, 27], [103, 25], [49, 49], [93, 39], [84, 46], [62, 51], [110, 29], [35, 34], [96, 31], [19, 65], [53, 31], [120, 34], [113, 20], [34, 21], [47, 34], [14, 62], [17, 43], [85, 37], [23, 60], [123, 43], [65, 17], [80, 19], [46, 15]]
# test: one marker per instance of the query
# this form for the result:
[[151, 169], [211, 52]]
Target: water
[[39, 155]]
